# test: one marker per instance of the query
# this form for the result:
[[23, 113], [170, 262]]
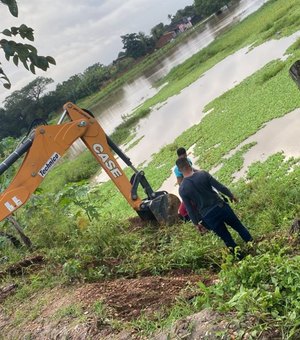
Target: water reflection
[[112, 111], [182, 111], [135, 93], [278, 135]]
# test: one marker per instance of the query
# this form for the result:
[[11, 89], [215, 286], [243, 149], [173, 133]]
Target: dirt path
[[70, 311]]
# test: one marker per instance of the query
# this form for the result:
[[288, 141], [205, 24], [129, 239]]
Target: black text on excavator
[[47, 143]]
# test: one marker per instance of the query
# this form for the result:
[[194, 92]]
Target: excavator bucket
[[165, 209]]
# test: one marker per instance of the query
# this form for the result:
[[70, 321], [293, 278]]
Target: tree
[[137, 45], [208, 7], [69, 90], [188, 11], [148, 42], [157, 31], [25, 53], [35, 88], [94, 77], [132, 45], [22, 107]]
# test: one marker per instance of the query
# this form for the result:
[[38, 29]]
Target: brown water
[[172, 118], [184, 110], [278, 135], [125, 100]]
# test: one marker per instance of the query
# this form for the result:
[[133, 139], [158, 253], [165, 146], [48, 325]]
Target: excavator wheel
[[165, 209]]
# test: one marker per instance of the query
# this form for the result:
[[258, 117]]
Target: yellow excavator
[[46, 144]]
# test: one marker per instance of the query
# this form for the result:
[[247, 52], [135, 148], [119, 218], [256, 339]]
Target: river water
[[168, 120], [112, 111], [182, 111]]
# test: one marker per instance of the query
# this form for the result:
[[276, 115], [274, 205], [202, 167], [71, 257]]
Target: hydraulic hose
[[14, 156]]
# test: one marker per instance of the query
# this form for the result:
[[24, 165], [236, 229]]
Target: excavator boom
[[48, 143]]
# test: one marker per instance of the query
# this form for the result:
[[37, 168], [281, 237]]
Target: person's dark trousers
[[215, 220]]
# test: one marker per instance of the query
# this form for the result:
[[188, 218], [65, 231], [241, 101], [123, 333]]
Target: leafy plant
[[25, 53]]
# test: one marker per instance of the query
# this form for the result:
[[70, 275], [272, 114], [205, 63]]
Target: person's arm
[[178, 174], [192, 212], [222, 188], [179, 180], [190, 209]]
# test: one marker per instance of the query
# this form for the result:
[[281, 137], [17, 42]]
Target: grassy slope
[[274, 20], [72, 243]]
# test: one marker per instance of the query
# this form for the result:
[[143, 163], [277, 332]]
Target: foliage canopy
[[208, 7], [20, 52]]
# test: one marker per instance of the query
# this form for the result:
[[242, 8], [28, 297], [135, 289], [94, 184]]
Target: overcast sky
[[79, 33]]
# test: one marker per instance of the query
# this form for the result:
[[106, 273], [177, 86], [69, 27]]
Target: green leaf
[[6, 32], [51, 60], [33, 58], [12, 6], [7, 47], [14, 30], [7, 85], [32, 69], [16, 60], [31, 48], [42, 63], [26, 32], [25, 64]]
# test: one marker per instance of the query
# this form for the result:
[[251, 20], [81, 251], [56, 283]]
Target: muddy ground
[[70, 311]]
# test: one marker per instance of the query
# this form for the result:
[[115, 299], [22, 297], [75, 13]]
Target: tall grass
[[264, 286]]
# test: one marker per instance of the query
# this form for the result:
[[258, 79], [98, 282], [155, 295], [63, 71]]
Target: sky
[[79, 33]]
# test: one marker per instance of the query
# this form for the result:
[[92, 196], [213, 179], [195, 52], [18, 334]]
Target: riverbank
[[226, 18], [279, 19], [101, 268]]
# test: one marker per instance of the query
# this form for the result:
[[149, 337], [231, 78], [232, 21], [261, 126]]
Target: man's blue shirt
[[177, 172]]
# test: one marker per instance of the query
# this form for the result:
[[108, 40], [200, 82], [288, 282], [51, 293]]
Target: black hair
[[181, 151], [183, 164]]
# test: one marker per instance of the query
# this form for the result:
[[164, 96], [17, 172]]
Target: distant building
[[184, 26], [165, 38], [181, 25], [174, 29]]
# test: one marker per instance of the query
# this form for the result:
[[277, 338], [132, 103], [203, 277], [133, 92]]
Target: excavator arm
[[48, 143]]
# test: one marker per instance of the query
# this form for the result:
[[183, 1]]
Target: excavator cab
[[46, 144]]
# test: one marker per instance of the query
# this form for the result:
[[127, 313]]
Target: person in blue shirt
[[181, 153], [182, 212]]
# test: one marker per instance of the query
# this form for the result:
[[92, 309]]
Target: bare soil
[[128, 299], [124, 300]]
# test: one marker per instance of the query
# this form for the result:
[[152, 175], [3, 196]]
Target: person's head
[[181, 153], [184, 166]]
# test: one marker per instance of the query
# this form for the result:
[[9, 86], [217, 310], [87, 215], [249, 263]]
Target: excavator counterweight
[[46, 144]]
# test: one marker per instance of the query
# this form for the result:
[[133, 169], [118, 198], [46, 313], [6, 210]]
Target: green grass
[[250, 31], [263, 286], [71, 311], [77, 248]]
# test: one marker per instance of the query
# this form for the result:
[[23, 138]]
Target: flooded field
[[111, 112], [168, 120]]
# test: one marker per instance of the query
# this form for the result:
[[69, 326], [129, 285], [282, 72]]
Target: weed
[[71, 311]]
